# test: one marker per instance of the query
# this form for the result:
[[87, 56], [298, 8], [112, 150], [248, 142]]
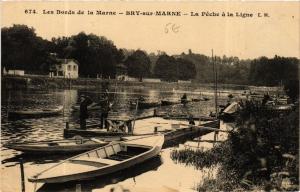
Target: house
[[16, 72], [66, 68]]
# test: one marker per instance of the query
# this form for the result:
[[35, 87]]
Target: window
[[74, 68], [69, 67]]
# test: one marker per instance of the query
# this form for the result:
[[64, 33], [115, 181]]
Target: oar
[[97, 140]]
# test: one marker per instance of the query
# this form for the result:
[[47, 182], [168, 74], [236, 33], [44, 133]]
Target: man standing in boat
[[184, 99], [83, 114], [105, 105]]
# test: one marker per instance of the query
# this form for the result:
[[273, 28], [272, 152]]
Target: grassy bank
[[261, 154]]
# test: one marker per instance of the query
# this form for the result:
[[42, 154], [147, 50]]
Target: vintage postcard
[[149, 96]]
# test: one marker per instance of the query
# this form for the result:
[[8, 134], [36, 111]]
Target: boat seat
[[95, 160]]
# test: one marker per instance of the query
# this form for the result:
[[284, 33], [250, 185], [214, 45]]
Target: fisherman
[[184, 99], [105, 105], [141, 98], [191, 120], [266, 99], [83, 115]]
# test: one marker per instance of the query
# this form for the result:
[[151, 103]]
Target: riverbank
[[45, 82], [261, 153]]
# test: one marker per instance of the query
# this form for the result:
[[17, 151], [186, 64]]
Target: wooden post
[[67, 125], [199, 139], [215, 137], [136, 108], [78, 188], [22, 175], [154, 113]]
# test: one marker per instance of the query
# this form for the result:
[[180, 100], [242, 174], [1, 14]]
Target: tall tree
[[186, 69], [23, 49], [166, 68], [138, 64], [96, 54]]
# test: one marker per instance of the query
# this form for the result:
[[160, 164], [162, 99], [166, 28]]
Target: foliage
[[275, 70], [165, 68], [291, 88], [171, 69], [261, 154], [138, 64], [229, 69], [260, 142], [23, 49], [187, 69], [96, 54]]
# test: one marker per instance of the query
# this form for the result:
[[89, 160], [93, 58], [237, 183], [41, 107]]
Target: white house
[[16, 72], [67, 68]]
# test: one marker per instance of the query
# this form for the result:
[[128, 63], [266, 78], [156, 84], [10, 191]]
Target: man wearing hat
[[83, 115], [105, 110]]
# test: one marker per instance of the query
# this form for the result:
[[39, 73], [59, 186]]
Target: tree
[[274, 70], [96, 54], [166, 68], [138, 64], [291, 88], [186, 69], [23, 49]]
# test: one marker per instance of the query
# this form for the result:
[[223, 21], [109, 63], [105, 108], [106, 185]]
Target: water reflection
[[52, 128]]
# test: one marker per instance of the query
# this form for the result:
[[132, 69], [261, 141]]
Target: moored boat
[[93, 106], [20, 114], [62, 146], [102, 161], [144, 104], [168, 102], [200, 99]]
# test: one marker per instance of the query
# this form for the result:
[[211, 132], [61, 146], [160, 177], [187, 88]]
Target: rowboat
[[167, 102], [35, 113], [102, 161], [93, 106], [144, 105], [200, 99], [230, 112], [62, 146]]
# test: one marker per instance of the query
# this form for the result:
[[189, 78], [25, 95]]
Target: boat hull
[[34, 114], [166, 103], [105, 171], [51, 150], [86, 162], [145, 105]]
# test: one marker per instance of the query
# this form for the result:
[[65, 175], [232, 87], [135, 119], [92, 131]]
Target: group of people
[[105, 105]]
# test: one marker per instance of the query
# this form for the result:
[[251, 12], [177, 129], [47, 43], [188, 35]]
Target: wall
[[151, 80], [16, 72], [70, 72]]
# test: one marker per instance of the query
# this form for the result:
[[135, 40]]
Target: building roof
[[66, 61]]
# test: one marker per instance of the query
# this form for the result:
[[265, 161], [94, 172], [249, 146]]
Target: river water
[[158, 174]]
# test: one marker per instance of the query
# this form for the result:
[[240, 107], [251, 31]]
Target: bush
[[261, 154]]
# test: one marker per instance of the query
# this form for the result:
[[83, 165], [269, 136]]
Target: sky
[[248, 37]]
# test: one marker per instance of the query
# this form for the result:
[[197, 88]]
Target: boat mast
[[215, 81]]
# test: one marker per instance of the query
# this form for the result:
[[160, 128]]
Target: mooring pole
[[67, 125], [136, 108], [22, 175], [78, 188]]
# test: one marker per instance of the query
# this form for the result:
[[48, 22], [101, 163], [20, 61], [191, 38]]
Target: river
[[158, 174]]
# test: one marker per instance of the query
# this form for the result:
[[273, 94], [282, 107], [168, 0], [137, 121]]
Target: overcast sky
[[243, 37]]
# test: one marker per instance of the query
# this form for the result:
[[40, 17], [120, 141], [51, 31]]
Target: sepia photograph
[[143, 96]]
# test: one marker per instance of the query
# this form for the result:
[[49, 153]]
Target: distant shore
[[44, 82]]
